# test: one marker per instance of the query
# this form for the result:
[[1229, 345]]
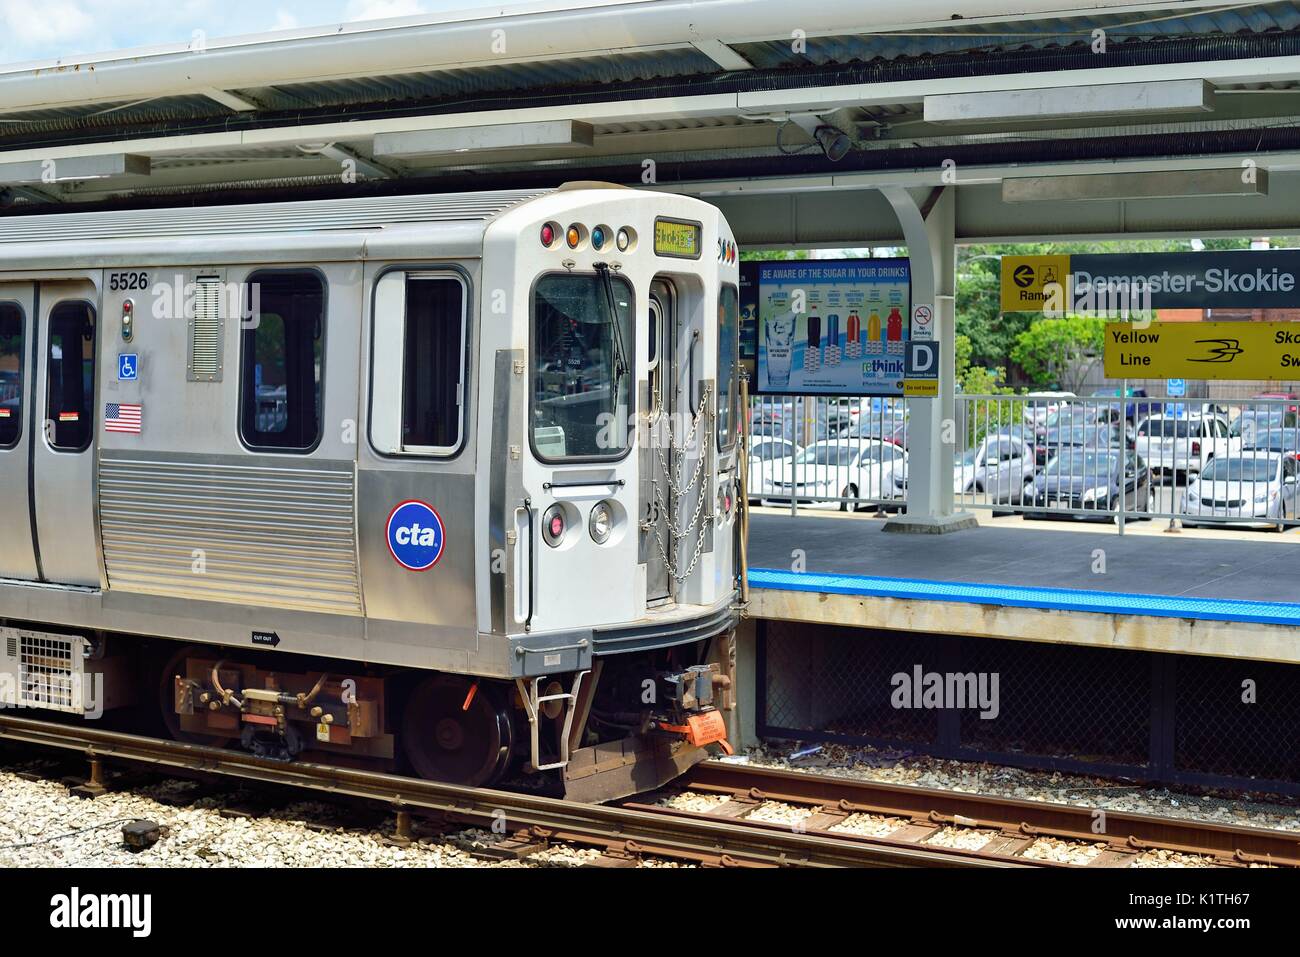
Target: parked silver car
[[1255, 487], [1000, 469]]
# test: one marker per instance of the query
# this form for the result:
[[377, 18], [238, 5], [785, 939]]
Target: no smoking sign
[[923, 322]]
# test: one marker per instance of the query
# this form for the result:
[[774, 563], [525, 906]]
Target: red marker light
[[548, 234], [557, 526]]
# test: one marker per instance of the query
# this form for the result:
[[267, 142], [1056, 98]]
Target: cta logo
[[415, 535]]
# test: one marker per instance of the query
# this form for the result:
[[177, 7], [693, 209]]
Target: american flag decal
[[123, 417]]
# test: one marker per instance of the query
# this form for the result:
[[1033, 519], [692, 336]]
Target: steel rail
[[680, 836], [1121, 830]]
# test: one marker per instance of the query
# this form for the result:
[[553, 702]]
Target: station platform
[[1232, 596]]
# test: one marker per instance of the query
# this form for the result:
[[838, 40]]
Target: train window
[[283, 348], [582, 366], [433, 363], [728, 349], [11, 374], [70, 376], [418, 362]]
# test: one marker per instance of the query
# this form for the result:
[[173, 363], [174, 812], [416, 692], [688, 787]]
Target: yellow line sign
[[1203, 350]]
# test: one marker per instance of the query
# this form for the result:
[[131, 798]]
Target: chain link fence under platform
[[1181, 720]]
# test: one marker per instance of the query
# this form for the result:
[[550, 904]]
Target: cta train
[[444, 483]]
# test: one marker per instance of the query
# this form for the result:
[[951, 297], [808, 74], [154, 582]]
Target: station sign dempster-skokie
[[1242, 279], [1202, 350]]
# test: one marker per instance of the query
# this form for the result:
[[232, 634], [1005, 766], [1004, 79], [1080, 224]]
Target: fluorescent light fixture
[[72, 168], [1165, 184], [1064, 102], [465, 139]]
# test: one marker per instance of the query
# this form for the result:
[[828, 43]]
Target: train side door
[[17, 321], [657, 452], [63, 446]]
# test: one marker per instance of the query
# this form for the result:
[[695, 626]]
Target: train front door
[[658, 454], [61, 435]]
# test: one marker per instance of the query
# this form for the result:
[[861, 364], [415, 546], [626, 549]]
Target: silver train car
[[443, 483]]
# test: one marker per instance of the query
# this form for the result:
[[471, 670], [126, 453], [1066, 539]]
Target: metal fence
[[1105, 458], [1179, 719]]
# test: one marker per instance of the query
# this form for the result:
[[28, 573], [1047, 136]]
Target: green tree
[[771, 255], [1060, 352]]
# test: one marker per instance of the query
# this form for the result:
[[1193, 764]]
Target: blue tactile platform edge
[[1064, 599]]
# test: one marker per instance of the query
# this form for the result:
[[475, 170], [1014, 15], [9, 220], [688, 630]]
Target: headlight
[[601, 522], [1095, 493]]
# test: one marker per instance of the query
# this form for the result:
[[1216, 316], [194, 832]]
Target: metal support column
[[931, 246]]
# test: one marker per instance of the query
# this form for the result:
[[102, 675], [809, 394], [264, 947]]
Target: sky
[[47, 29]]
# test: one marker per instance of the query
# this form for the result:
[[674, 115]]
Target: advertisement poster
[[833, 326], [749, 317]]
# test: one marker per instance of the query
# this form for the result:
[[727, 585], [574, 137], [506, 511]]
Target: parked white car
[[1184, 444], [1254, 487], [859, 469], [766, 459]]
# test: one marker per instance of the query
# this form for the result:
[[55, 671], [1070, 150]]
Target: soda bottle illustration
[[833, 340], [895, 330], [853, 342], [874, 345], [812, 353]]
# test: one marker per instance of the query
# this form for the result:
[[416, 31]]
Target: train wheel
[[175, 665], [457, 730]]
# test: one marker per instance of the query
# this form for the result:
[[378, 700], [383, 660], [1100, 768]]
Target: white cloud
[[49, 29], [26, 23]]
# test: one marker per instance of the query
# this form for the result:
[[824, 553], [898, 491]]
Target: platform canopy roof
[[749, 102]]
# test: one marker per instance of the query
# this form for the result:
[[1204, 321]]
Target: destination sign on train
[[676, 238], [1203, 350], [1242, 279]]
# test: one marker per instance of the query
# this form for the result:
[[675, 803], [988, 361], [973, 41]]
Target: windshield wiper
[[621, 367]]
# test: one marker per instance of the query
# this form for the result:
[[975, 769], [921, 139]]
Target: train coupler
[[706, 727], [690, 696]]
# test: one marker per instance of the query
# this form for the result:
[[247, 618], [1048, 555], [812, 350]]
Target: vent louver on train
[[207, 331], [40, 670]]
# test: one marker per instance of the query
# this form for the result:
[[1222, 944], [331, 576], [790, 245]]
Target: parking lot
[[1140, 460]]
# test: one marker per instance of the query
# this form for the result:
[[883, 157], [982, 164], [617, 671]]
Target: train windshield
[[581, 379]]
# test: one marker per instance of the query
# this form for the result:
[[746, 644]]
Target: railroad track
[[622, 833], [923, 813], [725, 835]]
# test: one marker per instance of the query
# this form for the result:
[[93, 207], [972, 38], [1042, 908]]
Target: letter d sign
[[922, 360]]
